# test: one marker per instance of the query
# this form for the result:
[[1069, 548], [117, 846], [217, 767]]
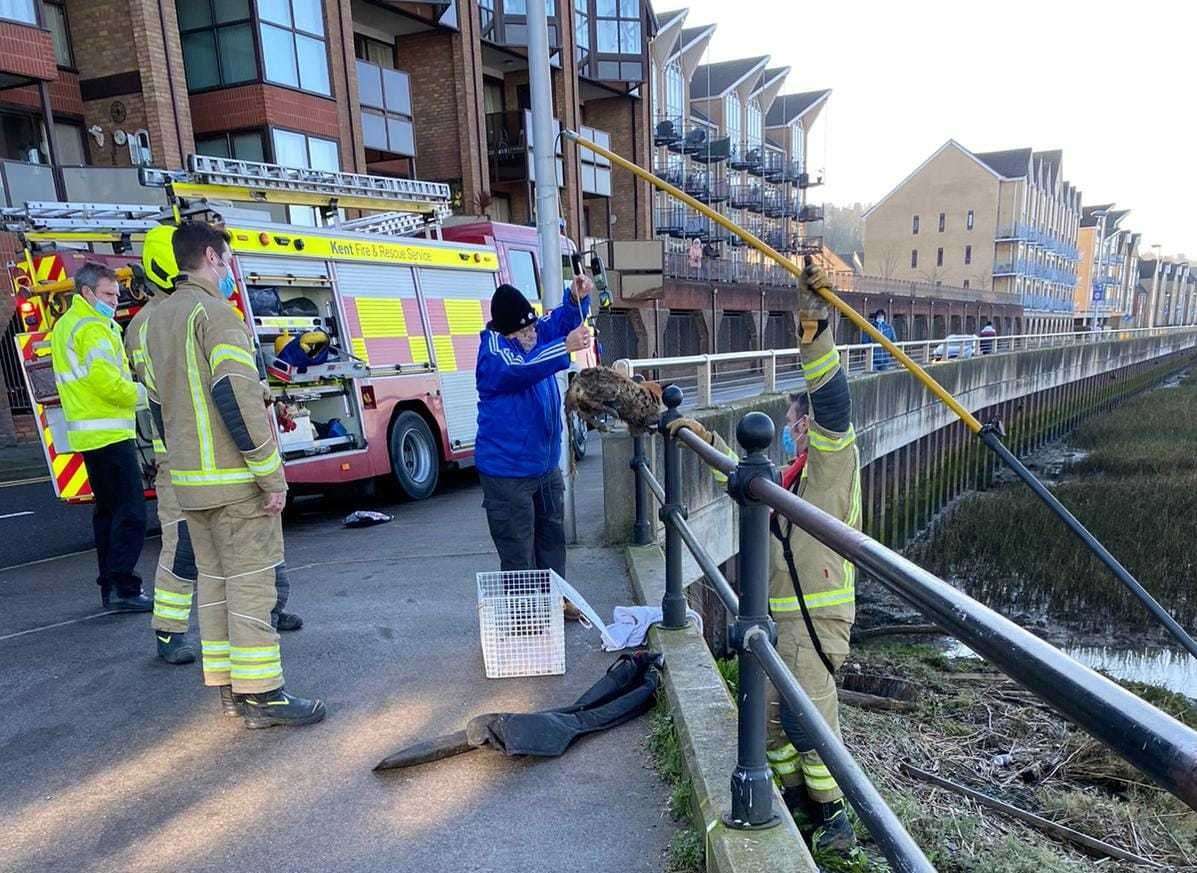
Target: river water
[[1166, 668]]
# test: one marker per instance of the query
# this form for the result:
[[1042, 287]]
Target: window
[[385, 96], [731, 120], [299, 150], [966, 283], [293, 49], [218, 42], [582, 29], [486, 14], [522, 268], [798, 145], [939, 257], [595, 169], [245, 146], [617, 26], [969, 221], [968, 254], [914, 258], [914, 225], [755, 121], [377, 52], [675, 89], [18, 10], [942, 221], [54, 16]]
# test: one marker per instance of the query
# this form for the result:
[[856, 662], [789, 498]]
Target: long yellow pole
[[831, 297]]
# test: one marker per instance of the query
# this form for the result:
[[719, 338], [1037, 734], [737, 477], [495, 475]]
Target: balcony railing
[[743, 158], [671, 172], [22, 182], [668, 131], [508, 142], [755, 161], [748, 197], [809, 180], [810, 213], [712, 151], [774, 166]]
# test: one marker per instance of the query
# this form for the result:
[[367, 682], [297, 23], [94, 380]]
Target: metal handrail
[[859, 358], [1149, 739]]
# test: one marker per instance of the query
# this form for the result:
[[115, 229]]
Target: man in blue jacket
[[518, 449], [882, 360]]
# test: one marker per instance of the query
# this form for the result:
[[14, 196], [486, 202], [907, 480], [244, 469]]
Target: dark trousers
[[118, 521], [527, 520]]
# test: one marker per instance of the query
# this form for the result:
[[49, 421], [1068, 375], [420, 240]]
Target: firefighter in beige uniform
[[805, 573], [228, 476], [174, 579]]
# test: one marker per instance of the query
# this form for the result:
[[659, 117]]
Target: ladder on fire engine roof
[[48, 217], [397, 223], [252, 182]]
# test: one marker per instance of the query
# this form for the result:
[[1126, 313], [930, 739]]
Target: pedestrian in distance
[[227, 474], [882, 359], [812, 590], [520, 418], [988, 332], [100, 402]]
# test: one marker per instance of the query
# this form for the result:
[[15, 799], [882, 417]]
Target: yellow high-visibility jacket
[[98, 394], [220, 443]]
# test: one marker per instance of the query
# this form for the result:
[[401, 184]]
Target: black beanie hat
[[509, 310]]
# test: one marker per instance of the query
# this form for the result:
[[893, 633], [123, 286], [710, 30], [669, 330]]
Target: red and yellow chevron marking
[[67, 470]]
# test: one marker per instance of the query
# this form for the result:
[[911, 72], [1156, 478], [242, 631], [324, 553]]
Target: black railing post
[[752, 783], [642, 530], [673, 604]]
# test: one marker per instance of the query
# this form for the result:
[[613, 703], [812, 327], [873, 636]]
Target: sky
[[1112, 84]]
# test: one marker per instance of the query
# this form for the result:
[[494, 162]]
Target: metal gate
[[10, 368]]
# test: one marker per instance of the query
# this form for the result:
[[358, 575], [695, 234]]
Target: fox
[[597, 392]]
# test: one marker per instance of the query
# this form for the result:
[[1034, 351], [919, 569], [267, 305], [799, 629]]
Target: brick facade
[[250, 106], [27, 51]]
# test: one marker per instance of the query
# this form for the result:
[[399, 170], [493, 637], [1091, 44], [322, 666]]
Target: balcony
[[774, 166], [808, 180], [22, 182], [707, 187], [670, 172], [777, 240], [726, 270], [748, 197], [695, 225], [1009, 268], [738, 157], [810, 213], [754, 160], [806, 245], [668, 132], [669, 221], [508, 142], [711, 151], [774, 203]]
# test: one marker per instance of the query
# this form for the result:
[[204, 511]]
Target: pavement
[[114, 761]]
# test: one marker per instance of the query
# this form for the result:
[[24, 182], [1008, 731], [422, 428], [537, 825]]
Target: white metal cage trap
[[521, 623]]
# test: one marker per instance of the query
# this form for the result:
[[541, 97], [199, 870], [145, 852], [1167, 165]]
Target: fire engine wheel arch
[[415, 455]]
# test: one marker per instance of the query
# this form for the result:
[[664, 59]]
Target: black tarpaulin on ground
[[625, 691]]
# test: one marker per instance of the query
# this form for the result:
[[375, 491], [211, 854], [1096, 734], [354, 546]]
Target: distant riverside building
[[1003, 221], [1108, 272], [1167, 292]]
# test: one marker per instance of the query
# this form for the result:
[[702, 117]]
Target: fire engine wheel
[[415, 459]]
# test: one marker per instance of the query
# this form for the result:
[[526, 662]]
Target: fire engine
[[401, 298]]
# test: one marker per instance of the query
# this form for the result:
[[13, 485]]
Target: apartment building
[[1108, 270], [92, 89], [730, 135], [1167, 291], [1004, 222]]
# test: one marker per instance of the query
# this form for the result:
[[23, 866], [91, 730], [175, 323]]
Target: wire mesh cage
[[521, 623]]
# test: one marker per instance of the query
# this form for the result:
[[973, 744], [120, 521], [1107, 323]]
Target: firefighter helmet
[[158, 256]]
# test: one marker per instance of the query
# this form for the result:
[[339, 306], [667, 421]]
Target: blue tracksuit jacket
[[519, 406]]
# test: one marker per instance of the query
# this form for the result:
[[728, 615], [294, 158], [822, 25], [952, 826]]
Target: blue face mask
[[787, 442], [227, 286], [104, 309]]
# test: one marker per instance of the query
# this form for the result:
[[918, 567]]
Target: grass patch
[[1134, 491], [687, 850]]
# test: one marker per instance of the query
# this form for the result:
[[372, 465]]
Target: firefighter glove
[[690, 424]]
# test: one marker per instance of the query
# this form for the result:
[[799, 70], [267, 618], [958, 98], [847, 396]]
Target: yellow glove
[[812, 307], [690, 424]]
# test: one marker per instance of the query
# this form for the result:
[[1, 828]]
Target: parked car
[[958, 345]]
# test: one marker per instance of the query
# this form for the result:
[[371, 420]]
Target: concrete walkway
[[113, 761]]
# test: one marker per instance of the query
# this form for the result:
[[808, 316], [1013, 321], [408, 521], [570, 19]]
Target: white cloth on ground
[[630, 626]]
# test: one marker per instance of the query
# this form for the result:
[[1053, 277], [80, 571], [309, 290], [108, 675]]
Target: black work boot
[[804, 811], [835, 833], [231, 704], [135, 602], [277, 707], [287, 621], [173, 648]]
